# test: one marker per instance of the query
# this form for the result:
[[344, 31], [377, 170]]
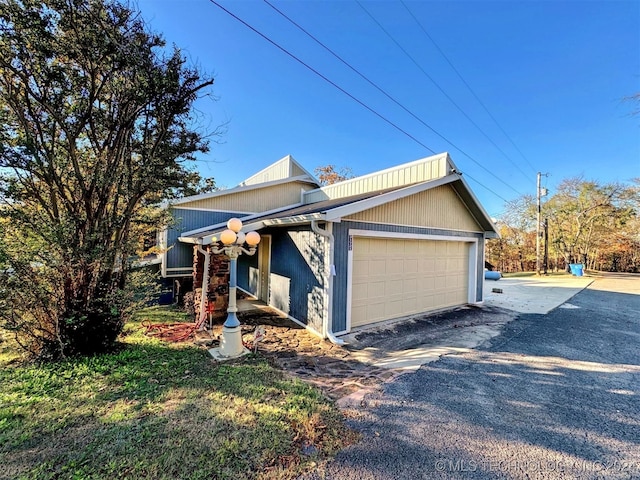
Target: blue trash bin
[[577, 269]]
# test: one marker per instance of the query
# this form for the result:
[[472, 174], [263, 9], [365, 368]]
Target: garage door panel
[[409, 286], [427, 284], [427, 264], [441, 266], [376, 290], [393, 278], [410, 265], [360, 291]]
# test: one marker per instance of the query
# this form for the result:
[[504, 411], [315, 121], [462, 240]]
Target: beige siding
[[254, 200], [393, 278], [279, 170], [439, 208], [420, 171], [296, 171]]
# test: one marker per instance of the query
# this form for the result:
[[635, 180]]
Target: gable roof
[[286, 167], [337, 208], [282, 171], [422, 170]]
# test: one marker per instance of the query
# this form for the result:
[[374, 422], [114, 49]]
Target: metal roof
[[334, 209]]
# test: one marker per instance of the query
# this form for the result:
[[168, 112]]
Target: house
[[393, 243]]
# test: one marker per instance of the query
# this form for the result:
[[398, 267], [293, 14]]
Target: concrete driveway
[[408, 344], [533, 294]]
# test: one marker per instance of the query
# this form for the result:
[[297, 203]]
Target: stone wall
[[218, 294]]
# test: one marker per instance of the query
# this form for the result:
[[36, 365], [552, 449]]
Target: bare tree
[[330, 174]]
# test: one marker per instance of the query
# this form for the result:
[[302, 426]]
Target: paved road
[[553, 396]]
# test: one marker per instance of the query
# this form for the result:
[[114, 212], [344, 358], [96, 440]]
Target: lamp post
[[233, 240]]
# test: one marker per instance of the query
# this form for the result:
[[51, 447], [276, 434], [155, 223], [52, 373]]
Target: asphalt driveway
[[407, 344], [553, 396]]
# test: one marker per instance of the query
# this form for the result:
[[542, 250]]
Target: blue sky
[[552, 73]]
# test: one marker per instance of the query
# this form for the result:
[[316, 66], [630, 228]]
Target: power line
[[460, 109], [467, 85], [381, 90], [284, 50], [486, 188]]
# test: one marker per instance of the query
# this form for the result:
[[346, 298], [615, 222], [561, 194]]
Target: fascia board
[[350, 209], [479, 206], [311, 176], [192, 240]]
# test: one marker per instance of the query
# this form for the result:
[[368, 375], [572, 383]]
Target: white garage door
[[395, 277]]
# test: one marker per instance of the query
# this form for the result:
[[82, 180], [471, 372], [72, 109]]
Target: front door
[[264, 265]]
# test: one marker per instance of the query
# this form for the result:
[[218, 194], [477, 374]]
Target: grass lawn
[[159, 411]]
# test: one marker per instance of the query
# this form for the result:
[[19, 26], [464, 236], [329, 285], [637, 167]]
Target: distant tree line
[[587, 222]]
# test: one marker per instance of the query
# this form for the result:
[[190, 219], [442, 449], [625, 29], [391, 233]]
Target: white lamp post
[[233, 240]]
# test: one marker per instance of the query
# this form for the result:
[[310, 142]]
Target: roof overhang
[[214, 232], [241, 188], [335, 214]]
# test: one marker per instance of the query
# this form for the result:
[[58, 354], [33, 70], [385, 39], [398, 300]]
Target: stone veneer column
[[218, 293]]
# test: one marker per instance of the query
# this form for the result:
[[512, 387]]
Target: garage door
[[395, 277]]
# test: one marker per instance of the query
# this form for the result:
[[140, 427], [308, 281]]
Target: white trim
[[352, 233], [398, 194], [408, 236], [482, 280], [178, 269], [369, 222], [479, 206], [473, 272], [349, 280]]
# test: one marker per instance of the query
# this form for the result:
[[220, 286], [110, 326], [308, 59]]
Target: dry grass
[[160, 411]]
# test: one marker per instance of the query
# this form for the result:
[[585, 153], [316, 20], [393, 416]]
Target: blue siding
[[297, 274], [244, 263], [181, 255], [341, 236]]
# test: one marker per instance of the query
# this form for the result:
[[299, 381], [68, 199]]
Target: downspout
[[328, 296], [205, 284]]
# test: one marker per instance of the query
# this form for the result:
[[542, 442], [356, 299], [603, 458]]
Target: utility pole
[[540, 193], [538, 227], [546, 245]]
